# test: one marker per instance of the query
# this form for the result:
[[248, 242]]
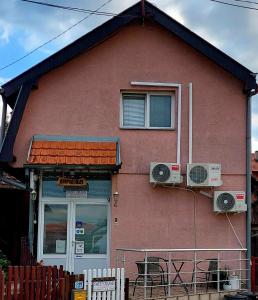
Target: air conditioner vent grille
[[225, 201], [198, 174], [161, 173]]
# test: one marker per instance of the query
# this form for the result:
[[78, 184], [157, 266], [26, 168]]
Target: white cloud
[[254, 144], [176, 13], [255, 120], [5, 31], [3, 80]]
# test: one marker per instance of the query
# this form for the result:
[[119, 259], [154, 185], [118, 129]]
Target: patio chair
[[206, 274], [155, 273]]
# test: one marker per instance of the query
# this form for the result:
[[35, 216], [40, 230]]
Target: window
[[147, 110]]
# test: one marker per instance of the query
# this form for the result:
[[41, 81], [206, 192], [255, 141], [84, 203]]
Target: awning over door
[[74, 151]]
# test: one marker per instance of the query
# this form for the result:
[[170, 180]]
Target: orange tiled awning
[[73, 153]]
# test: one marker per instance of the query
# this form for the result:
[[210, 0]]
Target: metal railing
[[154, 273]]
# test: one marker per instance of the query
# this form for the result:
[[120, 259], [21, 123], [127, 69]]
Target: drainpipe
[[3, 118], [31, 211], [190, 160], [248, 186]]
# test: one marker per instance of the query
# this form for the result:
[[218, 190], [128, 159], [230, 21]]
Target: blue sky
[[25, 26]]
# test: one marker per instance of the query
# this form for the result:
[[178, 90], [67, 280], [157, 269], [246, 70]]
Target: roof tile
[[72, 153]]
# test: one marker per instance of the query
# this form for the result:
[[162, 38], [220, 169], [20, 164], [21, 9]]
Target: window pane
[[134, 110], [55, 228], [160, 111], [92, 220]]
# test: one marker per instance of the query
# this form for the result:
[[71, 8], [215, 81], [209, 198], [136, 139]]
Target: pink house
[[90, 121]]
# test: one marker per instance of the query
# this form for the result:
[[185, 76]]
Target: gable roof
[[105, 30], [17, 90]]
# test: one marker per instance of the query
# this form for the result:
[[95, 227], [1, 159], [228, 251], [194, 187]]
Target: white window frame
[[147, 110]]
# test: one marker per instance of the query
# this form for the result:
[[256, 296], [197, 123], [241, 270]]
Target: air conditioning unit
[[229, 201], [165, 173], [203, 175]]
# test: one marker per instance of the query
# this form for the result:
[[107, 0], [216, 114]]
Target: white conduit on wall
[[190, 122], [178, 86]]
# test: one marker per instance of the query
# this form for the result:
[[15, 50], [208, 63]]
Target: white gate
[[105, 284]]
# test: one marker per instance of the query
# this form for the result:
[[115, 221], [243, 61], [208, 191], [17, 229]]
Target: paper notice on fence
[[60, 246], [100, 285]]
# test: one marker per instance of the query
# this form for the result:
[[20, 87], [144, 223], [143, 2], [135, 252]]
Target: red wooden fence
[[26, 258], [35, 282], [254, 274]]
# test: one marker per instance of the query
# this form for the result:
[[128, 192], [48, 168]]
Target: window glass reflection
[[55, 228], [91, 228]]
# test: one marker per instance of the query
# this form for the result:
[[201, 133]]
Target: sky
[[25, 27]]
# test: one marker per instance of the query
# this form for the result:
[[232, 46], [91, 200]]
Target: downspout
[[190, 123], [248, 187], [31, 211], [3, 118]]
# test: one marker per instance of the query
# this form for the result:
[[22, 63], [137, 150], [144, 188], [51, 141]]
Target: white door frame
[[71, 206]]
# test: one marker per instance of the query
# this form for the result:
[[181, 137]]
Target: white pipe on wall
[[190, 122], [31, 212], [179, 87], [179, 108]]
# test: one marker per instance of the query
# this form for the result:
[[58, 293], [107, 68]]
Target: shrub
[[4, 262]]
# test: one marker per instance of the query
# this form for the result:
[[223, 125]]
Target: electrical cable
[[233, 229], [195, 204], [77, 9], [235, 5], [246, 1], [54, 38]]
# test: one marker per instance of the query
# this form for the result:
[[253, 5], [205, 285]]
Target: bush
[[4, 262]]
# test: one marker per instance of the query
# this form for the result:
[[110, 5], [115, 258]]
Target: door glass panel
[[91, 229], [55, 229]]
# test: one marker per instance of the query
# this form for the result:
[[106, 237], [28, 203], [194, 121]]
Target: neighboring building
[[89, 120], [255, 204]]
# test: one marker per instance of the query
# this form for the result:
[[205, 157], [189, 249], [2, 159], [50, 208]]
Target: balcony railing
[[155, 273]]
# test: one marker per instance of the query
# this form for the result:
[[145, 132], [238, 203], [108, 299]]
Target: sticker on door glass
[[79, 247], [78, 224], [79, 230], [60, 246]]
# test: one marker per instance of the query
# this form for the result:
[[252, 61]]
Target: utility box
[[79, 295]]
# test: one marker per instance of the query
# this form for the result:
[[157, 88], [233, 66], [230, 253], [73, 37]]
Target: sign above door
[[72, 182]]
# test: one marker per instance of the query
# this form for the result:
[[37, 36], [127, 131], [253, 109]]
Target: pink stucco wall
[[83, 98]]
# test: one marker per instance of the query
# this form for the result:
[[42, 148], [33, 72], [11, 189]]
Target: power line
[[246, 1], [54, 38], [77, 9], [235, 5]]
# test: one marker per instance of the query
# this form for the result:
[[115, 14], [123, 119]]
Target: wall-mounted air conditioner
[[229, 201], [165, 173], [203, 175]]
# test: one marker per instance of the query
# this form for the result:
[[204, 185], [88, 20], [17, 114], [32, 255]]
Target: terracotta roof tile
[[73, 153]]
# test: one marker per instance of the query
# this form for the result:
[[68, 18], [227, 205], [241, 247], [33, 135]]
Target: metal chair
[[205, 274], [155, 272]]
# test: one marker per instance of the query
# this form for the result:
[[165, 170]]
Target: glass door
[[74, 233], [54, 226], [90, 235]]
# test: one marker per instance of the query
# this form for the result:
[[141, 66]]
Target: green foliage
[[4, 262]]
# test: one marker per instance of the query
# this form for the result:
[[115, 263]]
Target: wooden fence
[[34, 283], [26, 257], [51, 283], [254, 274]]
